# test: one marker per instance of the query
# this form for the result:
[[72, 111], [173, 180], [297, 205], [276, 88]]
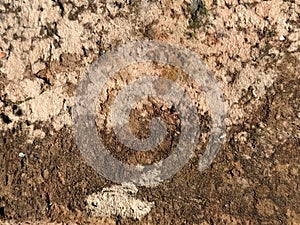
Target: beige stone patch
[[217, 44], [34, 133], [25, 89], [118, 201], [266, 207], [45, 106], [293, 217]]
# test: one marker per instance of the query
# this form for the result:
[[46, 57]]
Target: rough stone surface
[[251, 46]]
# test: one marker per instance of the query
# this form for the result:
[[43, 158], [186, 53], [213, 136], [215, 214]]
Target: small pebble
[[282, 38], [222, 136], [22, 155]]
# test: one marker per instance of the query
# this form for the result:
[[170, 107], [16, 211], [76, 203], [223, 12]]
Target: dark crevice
[[73, 15], [61, 6], [5, 118], [2, 214], [48, 201]]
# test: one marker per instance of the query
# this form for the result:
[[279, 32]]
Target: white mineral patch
[[22, 155], [282, 38], [118, 201]]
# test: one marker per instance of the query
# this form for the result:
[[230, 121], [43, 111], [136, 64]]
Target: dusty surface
[[251, 46]]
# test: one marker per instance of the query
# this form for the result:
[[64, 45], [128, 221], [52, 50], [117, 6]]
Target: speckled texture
[[118, 201], [251, 46]]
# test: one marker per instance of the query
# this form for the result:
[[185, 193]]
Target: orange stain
[[2, 55]]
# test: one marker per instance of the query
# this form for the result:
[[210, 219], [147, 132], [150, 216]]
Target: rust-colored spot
[[2, 55]]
